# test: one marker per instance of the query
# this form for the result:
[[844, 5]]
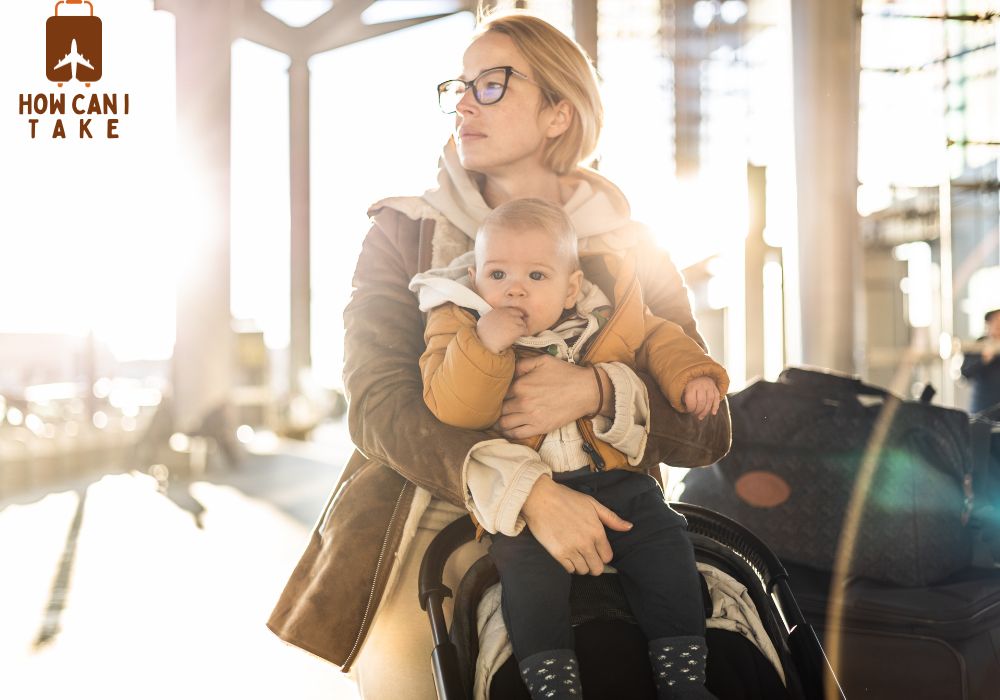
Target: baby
[[526, 294]]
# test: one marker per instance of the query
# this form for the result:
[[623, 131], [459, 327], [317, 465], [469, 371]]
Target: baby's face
[[527, 270]]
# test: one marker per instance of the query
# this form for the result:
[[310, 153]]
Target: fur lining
[[448, 243]]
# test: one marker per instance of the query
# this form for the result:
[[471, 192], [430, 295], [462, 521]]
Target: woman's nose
[[466, 103]]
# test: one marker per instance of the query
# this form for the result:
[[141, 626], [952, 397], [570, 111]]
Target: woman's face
[[504, 137]]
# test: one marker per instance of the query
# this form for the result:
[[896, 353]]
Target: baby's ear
[[472, 276], [573, 289]]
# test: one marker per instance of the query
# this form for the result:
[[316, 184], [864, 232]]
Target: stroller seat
[[602, 620]]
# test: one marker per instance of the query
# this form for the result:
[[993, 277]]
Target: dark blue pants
[[654, 559]]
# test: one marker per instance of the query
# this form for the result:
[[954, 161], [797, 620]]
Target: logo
[[73, 46], [74, 53]]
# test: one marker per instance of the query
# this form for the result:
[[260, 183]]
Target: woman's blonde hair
[[562, 69]]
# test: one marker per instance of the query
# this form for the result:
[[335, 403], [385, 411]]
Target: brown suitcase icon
[[73, 46]]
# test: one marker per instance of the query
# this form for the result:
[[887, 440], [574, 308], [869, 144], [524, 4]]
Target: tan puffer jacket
[[465, 384]]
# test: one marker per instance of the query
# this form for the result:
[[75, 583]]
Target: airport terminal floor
[[125, 591]]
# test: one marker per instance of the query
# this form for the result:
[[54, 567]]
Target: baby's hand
[[500, 328], [701, 397]]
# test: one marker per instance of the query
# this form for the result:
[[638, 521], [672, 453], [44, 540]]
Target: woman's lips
[[467, 136]]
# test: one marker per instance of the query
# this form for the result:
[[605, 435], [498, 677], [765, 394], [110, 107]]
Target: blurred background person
[[982, 368]]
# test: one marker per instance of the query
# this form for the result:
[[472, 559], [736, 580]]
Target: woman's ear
[[573, 289], [560, 119]]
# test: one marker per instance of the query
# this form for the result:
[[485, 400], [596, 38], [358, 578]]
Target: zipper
[[589, 449], [594, 455], [371, 593], [619, 305]]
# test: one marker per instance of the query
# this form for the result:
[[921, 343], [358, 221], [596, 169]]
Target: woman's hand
[[548, 393], [570, 526]]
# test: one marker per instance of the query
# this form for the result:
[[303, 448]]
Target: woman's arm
[[383, 342], [677, 439]]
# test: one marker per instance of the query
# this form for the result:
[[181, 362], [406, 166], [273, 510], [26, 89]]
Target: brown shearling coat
[[328, 604]]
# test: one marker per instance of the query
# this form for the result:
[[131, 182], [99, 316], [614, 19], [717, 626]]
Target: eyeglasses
[[488, 88]]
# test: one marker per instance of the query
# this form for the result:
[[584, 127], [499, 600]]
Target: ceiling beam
[[259, 26], [339, 26], [350, 33]]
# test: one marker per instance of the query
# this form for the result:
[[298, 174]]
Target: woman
[[527, 112]]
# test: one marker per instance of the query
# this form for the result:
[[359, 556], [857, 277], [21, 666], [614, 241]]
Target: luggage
[[938, 642], [985, 427], [73, 46], [798, 448]]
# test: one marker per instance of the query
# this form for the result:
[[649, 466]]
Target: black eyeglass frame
[[471, 84]]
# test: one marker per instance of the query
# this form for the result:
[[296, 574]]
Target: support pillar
[[688, 52], [585, 26], [300, 336], [203, 351], [826, 67], [755, 256]]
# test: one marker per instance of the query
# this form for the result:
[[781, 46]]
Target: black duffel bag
[[798, 447]]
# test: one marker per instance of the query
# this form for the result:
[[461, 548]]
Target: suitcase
[[985, 430], [798, 448], [938, 642], [73, 46]]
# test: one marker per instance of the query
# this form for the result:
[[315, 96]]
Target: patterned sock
[[679, 667], [552, 675]]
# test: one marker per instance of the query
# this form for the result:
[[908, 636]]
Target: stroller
[[719, 543]]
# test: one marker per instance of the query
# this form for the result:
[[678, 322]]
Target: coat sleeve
[[677, 439], [499, 475], [972, 365], [663, 288], [464, 383], [674, 359], [383, 341], [628, 431]]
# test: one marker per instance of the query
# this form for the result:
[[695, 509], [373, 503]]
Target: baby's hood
[[449, 284]]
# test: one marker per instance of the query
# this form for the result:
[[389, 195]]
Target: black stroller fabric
[[613, 652], [614, 666], [614, 659], [798, 446]]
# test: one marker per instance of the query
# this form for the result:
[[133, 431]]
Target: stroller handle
[[441, 547], [432, 591]]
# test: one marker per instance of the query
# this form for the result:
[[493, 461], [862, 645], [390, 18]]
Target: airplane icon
[[74, 58]]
